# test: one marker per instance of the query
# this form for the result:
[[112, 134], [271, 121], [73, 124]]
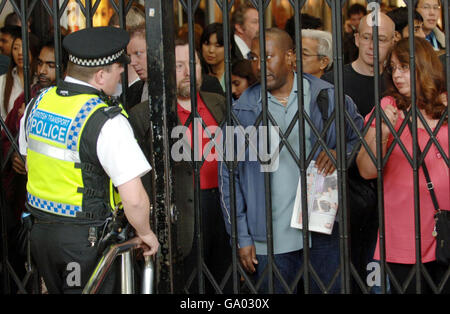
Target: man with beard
[[211, 110], [46, 74]]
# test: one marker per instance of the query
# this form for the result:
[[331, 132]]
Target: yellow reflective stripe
[[52, 151]]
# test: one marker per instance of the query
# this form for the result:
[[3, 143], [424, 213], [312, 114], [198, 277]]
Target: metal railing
[[126, 251]]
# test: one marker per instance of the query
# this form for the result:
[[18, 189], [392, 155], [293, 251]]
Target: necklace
[[282, 100]]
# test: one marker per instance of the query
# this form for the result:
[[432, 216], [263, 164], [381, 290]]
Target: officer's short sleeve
[[119, 153], [22, 138]]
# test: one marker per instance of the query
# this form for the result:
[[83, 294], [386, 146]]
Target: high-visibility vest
[[64, 175]]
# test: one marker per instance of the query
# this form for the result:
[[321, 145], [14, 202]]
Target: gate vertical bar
[[447, 59], [379, 164], [25, 50], [161, 65], [265, 123], [230, 164], [6, 288], [88, 10], [198, 235], [415, 165], [341, 166], [302, 145], [57, 40], [122, 22]]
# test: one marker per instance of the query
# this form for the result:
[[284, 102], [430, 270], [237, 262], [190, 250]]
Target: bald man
[[250, 195], [359, 75], [359, 85]]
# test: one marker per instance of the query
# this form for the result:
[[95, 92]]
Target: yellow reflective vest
[[63, 179]]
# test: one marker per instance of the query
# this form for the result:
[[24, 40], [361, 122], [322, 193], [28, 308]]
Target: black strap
[[430, 185], [322, 103]]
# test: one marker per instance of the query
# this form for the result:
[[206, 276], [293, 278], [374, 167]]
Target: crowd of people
[[249, 197]]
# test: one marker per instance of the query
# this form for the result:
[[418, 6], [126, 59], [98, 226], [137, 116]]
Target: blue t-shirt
[[284, 179]]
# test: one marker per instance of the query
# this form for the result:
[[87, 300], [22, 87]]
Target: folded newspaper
[[322, 200]]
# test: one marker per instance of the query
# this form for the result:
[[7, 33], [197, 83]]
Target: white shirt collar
[[242, 46], [70, 79]]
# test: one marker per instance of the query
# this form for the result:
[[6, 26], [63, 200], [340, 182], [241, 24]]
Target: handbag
[[441, 229]]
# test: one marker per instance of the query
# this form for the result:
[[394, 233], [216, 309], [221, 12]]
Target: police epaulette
[[112, 111]]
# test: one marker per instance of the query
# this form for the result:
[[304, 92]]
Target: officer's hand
[[247, 256], [17, 164], [323, 163], [150, 243]]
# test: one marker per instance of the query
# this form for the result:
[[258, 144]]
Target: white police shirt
[[117, 149]]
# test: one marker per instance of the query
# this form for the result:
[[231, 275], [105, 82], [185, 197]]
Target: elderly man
[[250, 180], [70, 135], [431, 11], [317, 52], [245, 23]]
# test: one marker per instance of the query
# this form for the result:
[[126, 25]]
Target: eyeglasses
[[429, 7], [367, 38], [403, 68]]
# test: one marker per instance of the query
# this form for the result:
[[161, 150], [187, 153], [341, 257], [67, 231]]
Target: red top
[[208, 171], [399, 194]]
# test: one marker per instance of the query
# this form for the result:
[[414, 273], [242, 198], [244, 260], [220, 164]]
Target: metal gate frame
[[160, 46]]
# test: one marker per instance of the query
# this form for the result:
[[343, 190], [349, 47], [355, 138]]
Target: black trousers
[[65, 258], [436, 271], [216, 244]]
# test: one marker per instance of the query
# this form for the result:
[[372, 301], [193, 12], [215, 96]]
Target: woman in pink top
[[398, 180]]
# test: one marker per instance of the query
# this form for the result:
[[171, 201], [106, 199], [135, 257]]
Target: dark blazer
[[236, 53], [134, 94], [182, 172], [211, 84]]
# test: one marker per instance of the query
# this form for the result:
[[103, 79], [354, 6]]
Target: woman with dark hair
[[11, 83], [398, 182], [242, 77], [212, 53]]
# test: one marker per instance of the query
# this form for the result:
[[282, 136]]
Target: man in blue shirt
[[250, 179], [431, 11]]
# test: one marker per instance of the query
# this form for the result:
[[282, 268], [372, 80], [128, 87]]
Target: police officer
[[80, 148]]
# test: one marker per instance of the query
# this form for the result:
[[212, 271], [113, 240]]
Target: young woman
[[213, 53], [11, 83], [242, 77], [398, 177]]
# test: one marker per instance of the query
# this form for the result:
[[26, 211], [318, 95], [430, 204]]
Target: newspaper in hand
[[322, 200]]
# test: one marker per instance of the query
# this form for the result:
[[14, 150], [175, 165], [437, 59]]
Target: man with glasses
[[358, 78], [317, 51], [431, 11], [359, 75]]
